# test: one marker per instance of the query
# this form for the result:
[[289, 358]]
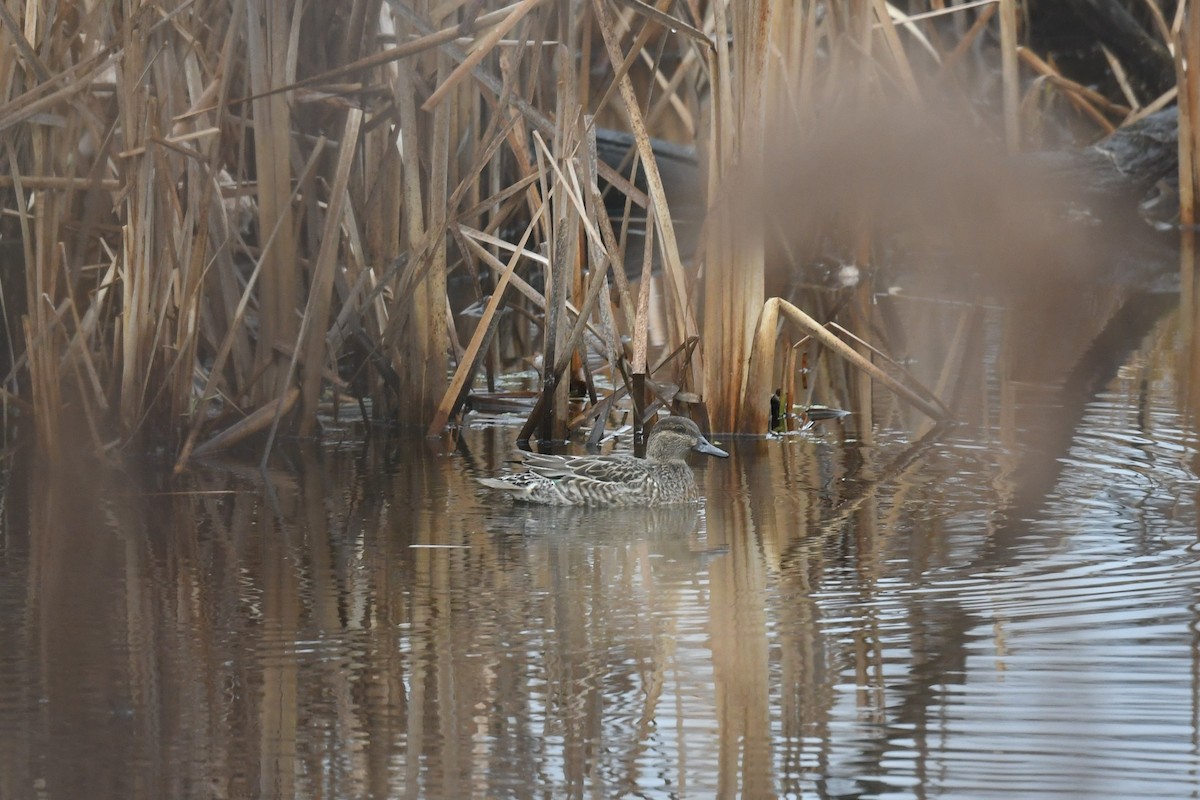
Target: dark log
[[1128, 184], [1123, 167], [1058, 24]]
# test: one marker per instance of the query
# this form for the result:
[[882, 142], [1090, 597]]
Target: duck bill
[[710, 449]]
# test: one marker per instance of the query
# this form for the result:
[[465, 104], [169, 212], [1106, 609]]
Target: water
[[998, 613]]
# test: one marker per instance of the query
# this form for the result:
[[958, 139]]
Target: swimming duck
[[661, 478]]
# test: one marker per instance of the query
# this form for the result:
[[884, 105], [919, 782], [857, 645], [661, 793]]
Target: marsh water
[[1005, 608]]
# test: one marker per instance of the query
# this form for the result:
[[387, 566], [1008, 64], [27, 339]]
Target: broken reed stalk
[[475, 240], [234, 330], [964, 45], [1086, 100], [658, 211], [484, 331], [258, 420], [480, 51], [597, 279], [898, 55], [762, 363], [427, 41]]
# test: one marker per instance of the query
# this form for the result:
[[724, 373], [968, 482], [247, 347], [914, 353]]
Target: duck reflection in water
[[661, 478], [674, 537]]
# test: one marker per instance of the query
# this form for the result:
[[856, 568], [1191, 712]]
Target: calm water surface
[[996, 613]]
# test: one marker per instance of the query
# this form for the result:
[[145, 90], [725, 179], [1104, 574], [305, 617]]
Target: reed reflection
[[376, 625]]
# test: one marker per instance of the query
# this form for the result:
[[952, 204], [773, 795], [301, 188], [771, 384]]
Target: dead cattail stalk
[[259, 420], [658, 212], [482, 48], [1086, 100], [228, 343], [316, 315], [735, 261], [1187, 49], [483, 333], [968, 40], [271, 63], [1010, 78], [763, 360]]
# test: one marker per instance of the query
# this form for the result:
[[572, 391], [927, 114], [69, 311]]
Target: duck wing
[[597, 469]]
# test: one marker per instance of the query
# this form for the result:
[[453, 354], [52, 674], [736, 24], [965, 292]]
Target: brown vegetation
[[223, 210]]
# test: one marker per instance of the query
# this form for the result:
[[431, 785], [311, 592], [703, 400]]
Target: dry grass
[[225, 208]]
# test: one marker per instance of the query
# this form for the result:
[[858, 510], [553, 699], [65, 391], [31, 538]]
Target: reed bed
[[224, 215]]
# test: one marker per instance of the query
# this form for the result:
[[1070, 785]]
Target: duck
[[663, 477]]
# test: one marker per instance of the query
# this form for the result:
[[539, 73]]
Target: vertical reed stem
[[1010, 77]]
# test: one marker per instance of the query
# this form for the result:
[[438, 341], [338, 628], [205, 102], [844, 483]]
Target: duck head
[[674, 436]]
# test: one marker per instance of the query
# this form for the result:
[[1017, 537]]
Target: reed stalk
[[272, 57], [658, 213], [225, 210], [735, 263], [1187, 49], [1008, 74]]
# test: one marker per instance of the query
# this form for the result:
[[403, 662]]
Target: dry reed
[[224, 209]]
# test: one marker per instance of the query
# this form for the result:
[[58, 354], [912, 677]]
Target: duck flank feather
[[662, 478]]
